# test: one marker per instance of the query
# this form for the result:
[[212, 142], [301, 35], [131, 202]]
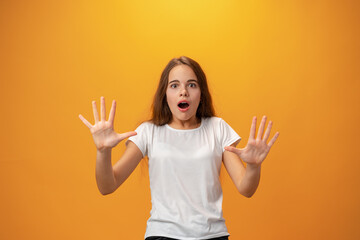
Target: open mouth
[[183, 106]]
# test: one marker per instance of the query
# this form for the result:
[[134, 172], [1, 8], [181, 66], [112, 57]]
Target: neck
[[185, 124]]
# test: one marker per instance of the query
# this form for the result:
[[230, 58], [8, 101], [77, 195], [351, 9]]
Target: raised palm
[[103, 131], [257, 149]]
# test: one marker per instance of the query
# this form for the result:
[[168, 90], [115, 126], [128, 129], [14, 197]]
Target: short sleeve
[[227, 135], [141, 139]]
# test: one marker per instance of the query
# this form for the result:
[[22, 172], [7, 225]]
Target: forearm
[[104, 172], [250, 181]]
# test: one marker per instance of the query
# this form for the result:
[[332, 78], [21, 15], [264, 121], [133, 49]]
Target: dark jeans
[[165, 238]]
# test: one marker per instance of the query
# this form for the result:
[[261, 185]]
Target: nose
[[184, 92]]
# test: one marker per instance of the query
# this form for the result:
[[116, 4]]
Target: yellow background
[[295, 61]]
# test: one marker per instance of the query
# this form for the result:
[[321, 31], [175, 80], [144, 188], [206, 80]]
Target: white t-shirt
[[184, 168]]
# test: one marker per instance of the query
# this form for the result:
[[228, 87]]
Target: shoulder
[[214, 121], [218, 124], [148, 126], [144, 126]]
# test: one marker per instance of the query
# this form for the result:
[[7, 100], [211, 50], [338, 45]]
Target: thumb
[[122, 136], [233, 149]]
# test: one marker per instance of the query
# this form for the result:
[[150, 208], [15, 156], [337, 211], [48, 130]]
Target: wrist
[[253, 166], [104, 150]]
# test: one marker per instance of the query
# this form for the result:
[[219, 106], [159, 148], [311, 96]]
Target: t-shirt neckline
[[186, 130]]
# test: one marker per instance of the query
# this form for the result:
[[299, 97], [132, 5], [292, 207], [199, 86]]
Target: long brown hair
[[161, 113]]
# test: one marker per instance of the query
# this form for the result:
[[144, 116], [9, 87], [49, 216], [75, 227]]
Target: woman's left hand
[[257, 149]]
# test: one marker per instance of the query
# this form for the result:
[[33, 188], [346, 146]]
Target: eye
[[174, 85], [192, 85]]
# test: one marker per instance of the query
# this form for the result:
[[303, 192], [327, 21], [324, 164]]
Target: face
[[183, 93]]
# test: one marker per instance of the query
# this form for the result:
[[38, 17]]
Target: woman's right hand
[[103, 131]]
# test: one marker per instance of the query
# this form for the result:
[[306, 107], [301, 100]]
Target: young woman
[[185, 144]]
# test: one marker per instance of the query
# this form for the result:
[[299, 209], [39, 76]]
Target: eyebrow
[[190, 80]]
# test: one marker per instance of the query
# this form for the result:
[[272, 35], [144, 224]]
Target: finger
[[268, 129], [112, 113], [233, 149], [102, 109], [122, 136], [272, 141], [253, 128], [85, 121], [261, 128], [96, 114]]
